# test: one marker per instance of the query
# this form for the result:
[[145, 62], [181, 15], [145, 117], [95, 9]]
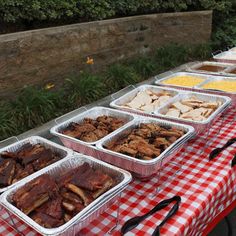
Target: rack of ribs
[[51, 203], [91, 130], [28, 159], [146, 142]]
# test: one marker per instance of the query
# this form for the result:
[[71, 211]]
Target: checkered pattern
[[206, 188]]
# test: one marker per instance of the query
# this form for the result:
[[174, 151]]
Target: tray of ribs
[[26, 157], [83, 131], [68, 196], [145, 99], [199, 110], [144, 145]]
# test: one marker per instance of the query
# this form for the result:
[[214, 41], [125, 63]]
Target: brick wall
[[39, 56]]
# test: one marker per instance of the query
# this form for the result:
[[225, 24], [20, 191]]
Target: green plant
[[84, 89], [8, 123], [143, 65], [119, 76], [35, 106]]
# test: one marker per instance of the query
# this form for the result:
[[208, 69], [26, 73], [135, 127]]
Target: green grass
[[35, 106]]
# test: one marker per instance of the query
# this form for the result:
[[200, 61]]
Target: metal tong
[[215, 152], [135, 221]]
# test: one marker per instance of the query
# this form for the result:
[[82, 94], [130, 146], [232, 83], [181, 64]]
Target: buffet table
[[207, 189]]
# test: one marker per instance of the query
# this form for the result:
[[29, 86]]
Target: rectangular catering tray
[[225, 66], [143, 168], [63, 151], [199, 126], [159, 81], [227, 57], [83, 218], [87, 148], [198, 88], [119, 102]]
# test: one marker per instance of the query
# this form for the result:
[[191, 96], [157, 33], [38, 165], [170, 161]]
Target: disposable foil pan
[[83, 218], [227, 72], [159, 81], [233, 49], [194, 67], [121, 101], [199, 126], [143, 168], [218, 92], [227, 57], [62, 151], [79, 145]]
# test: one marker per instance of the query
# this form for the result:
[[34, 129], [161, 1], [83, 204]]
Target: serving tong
[[135, 221], [215, 152]]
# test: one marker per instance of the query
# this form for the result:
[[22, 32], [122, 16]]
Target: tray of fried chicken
[[83, 131], [145, 99], [69, 194], [199, 110], [144, 145], [26, 157]]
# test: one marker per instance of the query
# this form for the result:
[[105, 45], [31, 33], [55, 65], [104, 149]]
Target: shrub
[[119, 76], [84, 89]]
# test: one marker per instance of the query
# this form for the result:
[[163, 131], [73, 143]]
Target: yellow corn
[[228, 86], [186, 80]]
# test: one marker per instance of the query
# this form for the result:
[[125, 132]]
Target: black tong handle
[[233, 163], [135, 221], [173, 210], [215, 152]]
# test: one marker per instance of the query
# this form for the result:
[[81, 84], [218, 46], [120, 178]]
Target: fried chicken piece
[[89, 137], [7, 171]]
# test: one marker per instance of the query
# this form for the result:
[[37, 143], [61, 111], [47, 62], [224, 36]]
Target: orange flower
[[89, 61], [49, 86]]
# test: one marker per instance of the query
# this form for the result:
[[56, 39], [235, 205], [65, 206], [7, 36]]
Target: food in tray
[[232, 71], [148, 100], [91, 130], [211, 68], [192, 108], [224, 85], [52, 202], [183, 80], [145, 142], [15, 166]]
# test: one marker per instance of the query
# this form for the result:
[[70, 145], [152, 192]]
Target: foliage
[[119, 76], [84, 88], [39, 10], [35, 106]]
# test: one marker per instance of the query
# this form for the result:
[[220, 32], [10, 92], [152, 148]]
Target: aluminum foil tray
[[62, 151], [199, 126], [119, 102], [225, 66], [143, 168], [227, 57], [218, 92], [227, 72], [92, 211], [159, 81], [79, 145]]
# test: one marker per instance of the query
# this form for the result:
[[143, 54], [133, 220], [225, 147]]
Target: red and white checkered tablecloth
[[206, 188]]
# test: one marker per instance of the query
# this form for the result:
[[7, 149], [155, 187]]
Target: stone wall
[[40, 56]]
